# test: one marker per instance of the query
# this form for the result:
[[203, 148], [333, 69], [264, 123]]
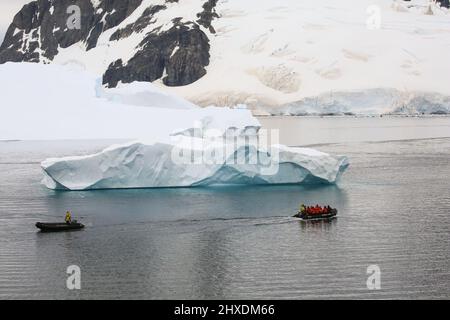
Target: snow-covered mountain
[[276, 56]]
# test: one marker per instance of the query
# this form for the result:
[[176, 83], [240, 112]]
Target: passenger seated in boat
[[68, 217], [316, 209]]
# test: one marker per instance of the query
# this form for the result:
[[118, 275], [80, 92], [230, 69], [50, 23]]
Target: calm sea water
[[240, 242]]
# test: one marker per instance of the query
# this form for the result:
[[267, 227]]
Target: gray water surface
[[237, 242]]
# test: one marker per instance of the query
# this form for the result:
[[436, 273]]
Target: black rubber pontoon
[[59, 226]]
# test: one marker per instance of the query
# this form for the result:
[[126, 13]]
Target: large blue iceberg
[[188, 162]]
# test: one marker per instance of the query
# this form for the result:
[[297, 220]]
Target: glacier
[[192, 162], [67, 103], [368, 102]]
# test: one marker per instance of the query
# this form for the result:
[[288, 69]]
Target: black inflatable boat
[[59, 226], [325, 216]]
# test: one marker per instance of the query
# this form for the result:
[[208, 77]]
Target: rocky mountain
[[267, 54], [177, 53], [40, 27]]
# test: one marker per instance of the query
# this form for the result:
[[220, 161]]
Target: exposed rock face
[[177, 54], [208, 14], [182, 51], [444, 3], [40, 27], [142, 22]]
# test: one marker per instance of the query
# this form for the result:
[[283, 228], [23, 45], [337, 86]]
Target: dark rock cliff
[[179, 55], [182, 51], [40, 27], [444, 3]]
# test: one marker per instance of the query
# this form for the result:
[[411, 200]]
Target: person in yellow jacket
[[68, 217], [302, 208]]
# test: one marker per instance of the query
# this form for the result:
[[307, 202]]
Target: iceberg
[[186, 160]]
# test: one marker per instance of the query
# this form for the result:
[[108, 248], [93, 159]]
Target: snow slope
[[277, 53], [66, 102], [273, 53]]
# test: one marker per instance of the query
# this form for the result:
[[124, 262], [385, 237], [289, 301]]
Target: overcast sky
[[8, 8]]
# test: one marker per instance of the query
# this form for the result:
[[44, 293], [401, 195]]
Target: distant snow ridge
[[158, 164], [368, 102]]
